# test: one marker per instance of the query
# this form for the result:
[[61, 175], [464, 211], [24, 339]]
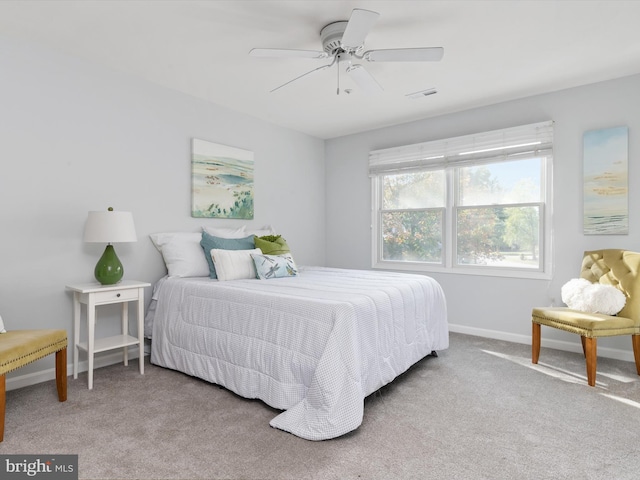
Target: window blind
[[520, 142]]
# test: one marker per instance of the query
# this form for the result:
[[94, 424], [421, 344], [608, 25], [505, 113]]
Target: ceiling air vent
[[422, 93]]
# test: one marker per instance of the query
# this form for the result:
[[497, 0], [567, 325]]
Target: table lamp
[[109, 227]]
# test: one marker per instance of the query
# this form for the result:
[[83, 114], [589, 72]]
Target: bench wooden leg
[[61, 385], [635, 339], [535, 342], [3, 404], [61, 374], [590, 353]]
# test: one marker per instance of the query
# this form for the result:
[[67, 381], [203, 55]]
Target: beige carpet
[[478, 411]]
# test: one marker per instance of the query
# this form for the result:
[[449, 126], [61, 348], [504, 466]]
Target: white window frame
[[530, 141]]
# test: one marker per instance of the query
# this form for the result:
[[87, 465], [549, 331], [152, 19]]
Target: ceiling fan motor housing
[[331, 36]]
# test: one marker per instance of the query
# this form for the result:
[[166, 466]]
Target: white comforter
[[314, 345]]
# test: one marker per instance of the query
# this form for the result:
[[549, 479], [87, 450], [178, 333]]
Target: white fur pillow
[[2, 330], [581, 294]]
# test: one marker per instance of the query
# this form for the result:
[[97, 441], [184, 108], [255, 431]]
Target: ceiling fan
[[343, 42]]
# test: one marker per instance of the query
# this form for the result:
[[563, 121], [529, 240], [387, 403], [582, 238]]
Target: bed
[[313, 345]]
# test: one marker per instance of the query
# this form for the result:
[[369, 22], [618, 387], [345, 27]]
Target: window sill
[[415, 267]]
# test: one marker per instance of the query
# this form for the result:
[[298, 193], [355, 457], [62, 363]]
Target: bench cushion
[[20, 347], [584, 323]]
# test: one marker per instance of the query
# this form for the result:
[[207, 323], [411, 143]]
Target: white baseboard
[[28, 379], [576, 347], [116, 357]]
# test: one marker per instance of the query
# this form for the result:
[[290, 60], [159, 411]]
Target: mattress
[[314, 345]]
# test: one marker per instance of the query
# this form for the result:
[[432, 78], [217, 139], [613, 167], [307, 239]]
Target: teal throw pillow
[[274, 266], [209, 242]]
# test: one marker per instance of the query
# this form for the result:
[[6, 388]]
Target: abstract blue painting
[[606, 183]]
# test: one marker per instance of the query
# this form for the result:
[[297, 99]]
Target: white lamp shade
[[109, 227]]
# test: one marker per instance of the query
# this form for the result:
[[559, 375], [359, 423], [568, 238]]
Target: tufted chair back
[[620, 268]]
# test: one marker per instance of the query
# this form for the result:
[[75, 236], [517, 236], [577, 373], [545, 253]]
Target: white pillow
[[161, 239], [581, 294], [571, 292], [2, 330], [234, 264], [223, 232], [182, 254], [261, 232], [241, 232]]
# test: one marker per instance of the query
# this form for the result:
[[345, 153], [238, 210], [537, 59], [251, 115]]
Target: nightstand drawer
[[116, 296]]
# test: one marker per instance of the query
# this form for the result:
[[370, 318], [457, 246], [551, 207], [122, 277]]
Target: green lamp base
[[109, 270]]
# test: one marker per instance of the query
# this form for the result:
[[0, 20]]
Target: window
[[474, 204]]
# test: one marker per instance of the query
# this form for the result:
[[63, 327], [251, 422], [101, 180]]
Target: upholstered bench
[[620, 268], [20, 347]]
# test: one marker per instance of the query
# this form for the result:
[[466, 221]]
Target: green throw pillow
[[272, 245]]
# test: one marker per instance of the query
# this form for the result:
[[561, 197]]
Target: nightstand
[[92, 295]]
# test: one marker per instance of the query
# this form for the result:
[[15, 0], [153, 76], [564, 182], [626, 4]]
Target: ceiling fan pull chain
[[338, 69]]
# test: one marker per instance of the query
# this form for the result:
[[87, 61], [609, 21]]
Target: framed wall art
[[606, 183], [221, 181]]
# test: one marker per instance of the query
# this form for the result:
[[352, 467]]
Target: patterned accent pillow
[[274, 266]]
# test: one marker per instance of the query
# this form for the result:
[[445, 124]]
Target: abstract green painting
[[221, 181]]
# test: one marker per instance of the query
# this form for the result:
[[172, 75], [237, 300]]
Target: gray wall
[[76, 137], [491, 306]]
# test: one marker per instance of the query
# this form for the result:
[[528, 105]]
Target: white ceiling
[[494, 51]]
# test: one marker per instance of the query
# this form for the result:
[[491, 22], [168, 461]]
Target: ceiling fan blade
[[427, 54], [359, 25], [303, 75], [286, 53], [364, 79]]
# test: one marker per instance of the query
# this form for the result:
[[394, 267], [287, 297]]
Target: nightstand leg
[[76, 332], [141, 329], [91, 326], [125, 330]]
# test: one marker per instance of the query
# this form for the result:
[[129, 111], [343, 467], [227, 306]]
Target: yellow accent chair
[[619, 268], [20, 347]]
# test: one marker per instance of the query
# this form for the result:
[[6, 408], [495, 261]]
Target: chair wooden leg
[[3, 404], [535, 342], [584, 350], [61, 374], [590, 353], [635, 339]]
